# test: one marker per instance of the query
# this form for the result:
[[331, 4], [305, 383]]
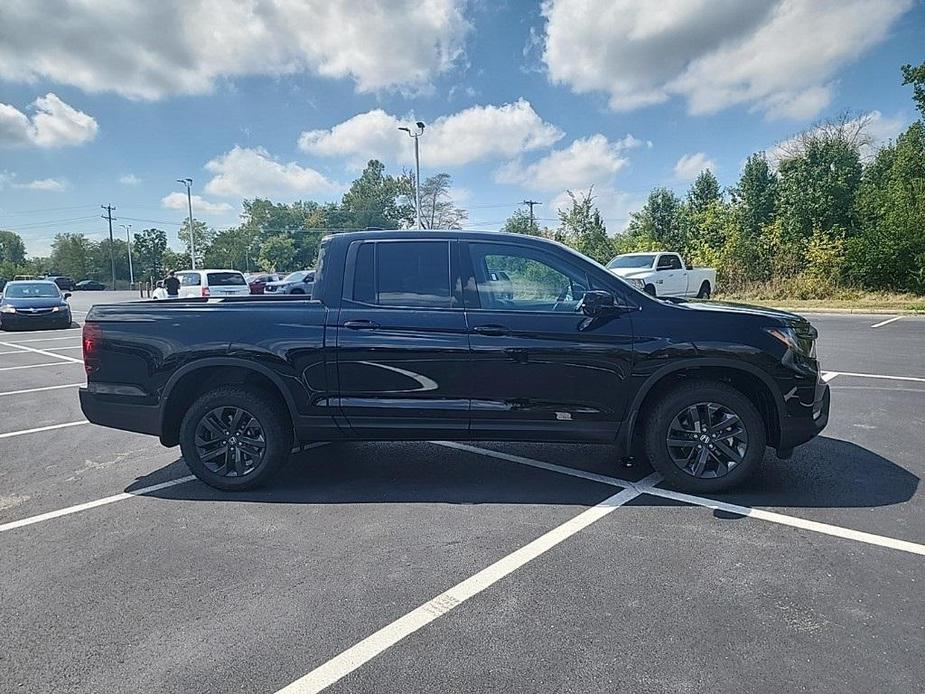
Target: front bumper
[[27, 321], [797, 430], [118, 412]]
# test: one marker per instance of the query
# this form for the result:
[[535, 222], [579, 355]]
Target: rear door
[[402, 343], [190, 284], [540, 369]]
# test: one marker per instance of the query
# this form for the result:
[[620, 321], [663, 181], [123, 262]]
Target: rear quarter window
[[226, 279]]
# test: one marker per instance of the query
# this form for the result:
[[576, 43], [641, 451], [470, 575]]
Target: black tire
[[694, 395], [704, 292], [275, 435], [297, 291], [649, 289]]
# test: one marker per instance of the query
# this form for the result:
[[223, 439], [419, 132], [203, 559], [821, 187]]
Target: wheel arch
[[757, 386], [196, 378]]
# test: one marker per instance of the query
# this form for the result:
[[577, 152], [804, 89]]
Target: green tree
[[374, 200], [100, 268], [520, 223], [916, 77], [756, 194], [582, 227], [660, 219], [73, 254], [233, 248], [277, 253], [12, 248], [203, 236], [704, 192], [148, 248], [438, 211]]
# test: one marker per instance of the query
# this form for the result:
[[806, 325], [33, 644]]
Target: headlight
[[800, 341], [639, 284], [7, 309], [55, 309]]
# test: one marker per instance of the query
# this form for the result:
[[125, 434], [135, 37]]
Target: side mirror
[[67, 295], [596, 302]]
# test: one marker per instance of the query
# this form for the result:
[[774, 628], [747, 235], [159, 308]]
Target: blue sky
[[522, 99]]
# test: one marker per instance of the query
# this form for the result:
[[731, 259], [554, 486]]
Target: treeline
[[810, 220]]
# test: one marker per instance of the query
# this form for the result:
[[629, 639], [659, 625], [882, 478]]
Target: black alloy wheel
[[707, 440], [230, 441]]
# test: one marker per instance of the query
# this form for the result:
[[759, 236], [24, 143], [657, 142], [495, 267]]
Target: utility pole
[[112, 258], [128, 240], [530, 204], [417, 165], [188, 182]]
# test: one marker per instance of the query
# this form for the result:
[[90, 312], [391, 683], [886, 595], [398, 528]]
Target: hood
[[630, 272], [785, 317], [34, 302]]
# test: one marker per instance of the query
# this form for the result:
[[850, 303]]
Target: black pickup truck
[[457, 335]]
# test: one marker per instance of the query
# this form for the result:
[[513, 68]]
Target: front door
[[402, 347], [540, 369], [669, 277]]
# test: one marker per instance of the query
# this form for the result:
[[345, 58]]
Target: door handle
[[494, 330], [361, 325]]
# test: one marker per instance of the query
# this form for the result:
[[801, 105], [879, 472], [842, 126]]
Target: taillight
[[91, 346], [205, 291]]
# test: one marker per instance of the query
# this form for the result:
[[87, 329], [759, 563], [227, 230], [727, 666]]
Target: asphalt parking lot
[[444, 567]]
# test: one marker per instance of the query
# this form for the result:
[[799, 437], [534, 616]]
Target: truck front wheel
[[704, 436], [235, 437], [649, 289]]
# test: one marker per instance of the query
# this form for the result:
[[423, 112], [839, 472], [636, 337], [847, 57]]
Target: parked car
[[410, 336], [65, 283], [195, 283], [299, 282], [33, 304], [89, 285], [258, 281], [664, 274]]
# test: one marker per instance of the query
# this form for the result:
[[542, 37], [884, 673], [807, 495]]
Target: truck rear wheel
[[704, 292], [705, 436], [235, 437]]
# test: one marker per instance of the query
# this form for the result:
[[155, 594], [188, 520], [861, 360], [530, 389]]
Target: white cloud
[[49, 185], [689, 166], [177, 201], [586, 162], [154, 49], [54, 124], [778, 57], [129, 180], [245, 172], [476, 133]]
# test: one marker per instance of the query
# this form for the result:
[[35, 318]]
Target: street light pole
[[188, 182], [417, 165], [128, 240]]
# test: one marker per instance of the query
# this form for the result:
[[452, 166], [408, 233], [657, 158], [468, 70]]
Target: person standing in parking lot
[[172, 285]]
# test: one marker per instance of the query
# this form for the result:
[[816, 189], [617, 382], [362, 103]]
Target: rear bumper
[[797, 430], [120, 413]]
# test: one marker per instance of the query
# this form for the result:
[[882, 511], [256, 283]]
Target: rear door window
[[189, 279], [403, 274], [226, 279]]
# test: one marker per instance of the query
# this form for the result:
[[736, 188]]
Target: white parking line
[[44, 352], [15, 351], [11, 434], [58, 349], [915, 379], [748, 511], [92, 504], [35, 366], [43, 339], [829, 375], [39, 390], [885, 322], [349, 660], [47, 339]]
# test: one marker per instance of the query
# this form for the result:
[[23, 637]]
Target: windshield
[[626, 261], [295, 276], [32, 290]]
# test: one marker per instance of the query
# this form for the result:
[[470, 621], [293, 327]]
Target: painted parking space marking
[[746, 511], [885, 322], [31, 520], [44, 352], [36, 430], [853, 374], [45, 339], [24, 391], [36, 366], [15, 351], [29, 333], [58, 349], [829, 375], [354, 657]]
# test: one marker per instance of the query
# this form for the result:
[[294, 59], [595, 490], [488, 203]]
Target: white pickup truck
[[664, 274]]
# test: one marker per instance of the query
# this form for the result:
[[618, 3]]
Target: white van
[[195, 283]]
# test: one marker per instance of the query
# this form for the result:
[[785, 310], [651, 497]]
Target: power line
[[44, 209], [530, 204], [112, 258]]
